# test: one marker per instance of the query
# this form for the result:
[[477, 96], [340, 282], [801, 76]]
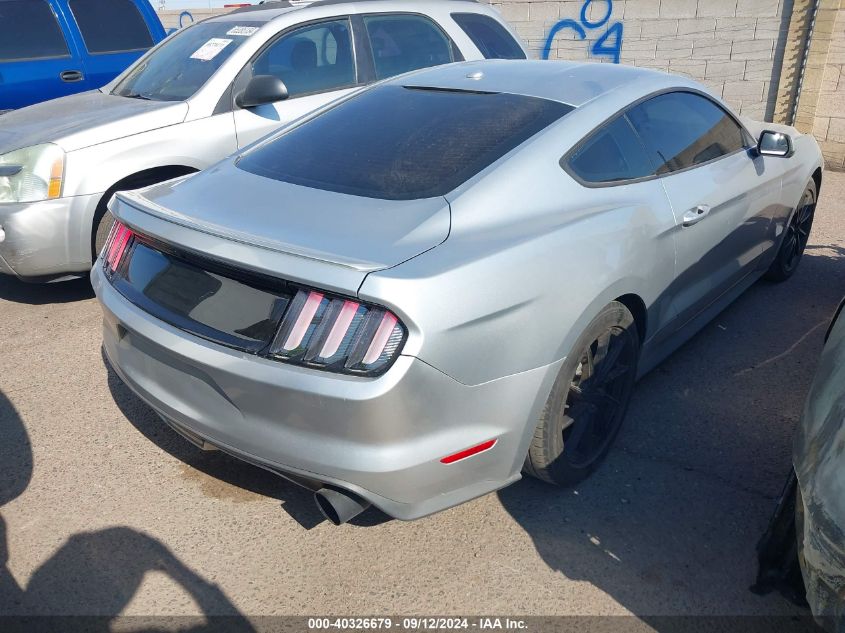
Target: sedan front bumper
[[380, 438], [48, 239]]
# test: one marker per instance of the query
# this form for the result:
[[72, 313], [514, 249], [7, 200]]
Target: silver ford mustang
[[421, 291]]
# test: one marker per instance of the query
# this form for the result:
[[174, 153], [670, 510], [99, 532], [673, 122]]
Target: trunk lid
[[356, 233]]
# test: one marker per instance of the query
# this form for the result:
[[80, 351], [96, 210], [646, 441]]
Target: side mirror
[[774, 144], [260, 90]]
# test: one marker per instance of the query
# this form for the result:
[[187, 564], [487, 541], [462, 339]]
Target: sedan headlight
[[32, 174]]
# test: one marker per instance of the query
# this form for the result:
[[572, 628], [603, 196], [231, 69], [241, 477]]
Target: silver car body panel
[[110, 138], [818, 457], [530, 258], [85, 119], [302, 221]]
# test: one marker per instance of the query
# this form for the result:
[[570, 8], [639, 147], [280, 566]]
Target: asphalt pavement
[[105, 511]]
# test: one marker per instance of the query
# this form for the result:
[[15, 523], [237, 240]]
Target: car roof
[[573, 83], [275, 8]]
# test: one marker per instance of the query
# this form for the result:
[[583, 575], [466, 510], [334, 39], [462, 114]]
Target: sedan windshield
[[180, 66], [403, 143]]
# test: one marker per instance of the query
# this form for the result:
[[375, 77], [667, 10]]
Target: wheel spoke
[[803, 214], [579, 427], [568, 421], [607, 366], [587, 364], [791, 238], [616, 373], [602, 345]]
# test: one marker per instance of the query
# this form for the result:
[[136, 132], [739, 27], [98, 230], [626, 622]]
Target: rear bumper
[[380, 438], [48, 239]]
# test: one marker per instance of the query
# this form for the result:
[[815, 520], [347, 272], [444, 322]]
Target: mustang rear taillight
[[338, 334], [317, 329], [116, 245]]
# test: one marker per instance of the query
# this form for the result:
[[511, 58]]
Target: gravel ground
[[106, 511]]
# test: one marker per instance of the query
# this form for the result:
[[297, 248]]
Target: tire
[[795, 237], [582, 416], [102, 226]]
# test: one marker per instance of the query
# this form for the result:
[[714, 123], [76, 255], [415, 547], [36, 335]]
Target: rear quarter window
[[111, 26], [489, 37], [29, 30], [401, 143], [612, 154]]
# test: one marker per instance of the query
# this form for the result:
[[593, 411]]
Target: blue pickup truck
[[53, 48]]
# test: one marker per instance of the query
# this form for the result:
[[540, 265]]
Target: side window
[[612, 154], [29, 30], [401, 43], [111, 27], [682, 129], [490, 37], [313, 58]]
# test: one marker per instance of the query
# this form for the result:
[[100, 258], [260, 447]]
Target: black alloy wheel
[[795, 237], [587, 405]]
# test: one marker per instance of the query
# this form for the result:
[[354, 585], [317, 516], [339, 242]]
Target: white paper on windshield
[[245, 31], [211, 49]]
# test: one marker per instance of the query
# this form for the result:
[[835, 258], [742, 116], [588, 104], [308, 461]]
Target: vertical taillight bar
[[119, 239]]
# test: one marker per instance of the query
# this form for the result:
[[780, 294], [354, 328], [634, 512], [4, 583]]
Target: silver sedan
[[416, 294]]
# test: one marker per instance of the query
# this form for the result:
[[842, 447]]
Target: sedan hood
[[85, 119], [359, 233]]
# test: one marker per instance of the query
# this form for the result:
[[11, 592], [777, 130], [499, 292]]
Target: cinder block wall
[[822, 105], [830, 114], [735, 47]]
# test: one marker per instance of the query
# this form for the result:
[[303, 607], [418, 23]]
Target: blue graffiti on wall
[[609, 44], [185, 18]]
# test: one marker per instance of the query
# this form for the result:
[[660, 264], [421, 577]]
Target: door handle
[[72, 76], [694, 216]]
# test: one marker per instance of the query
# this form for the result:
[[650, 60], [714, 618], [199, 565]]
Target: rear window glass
[[490, 37], [110, 26], [29, 30], [400, 143]]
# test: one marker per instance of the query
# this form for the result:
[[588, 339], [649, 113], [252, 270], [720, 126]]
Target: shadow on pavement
[[15, 474], [668, 524], [296, 501], [92, 573], [12, 289]]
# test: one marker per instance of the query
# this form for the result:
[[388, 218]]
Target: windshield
[[180, 67], [397, 143]]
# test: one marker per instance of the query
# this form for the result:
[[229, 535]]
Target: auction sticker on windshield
[[245, 31], [211, 49]]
